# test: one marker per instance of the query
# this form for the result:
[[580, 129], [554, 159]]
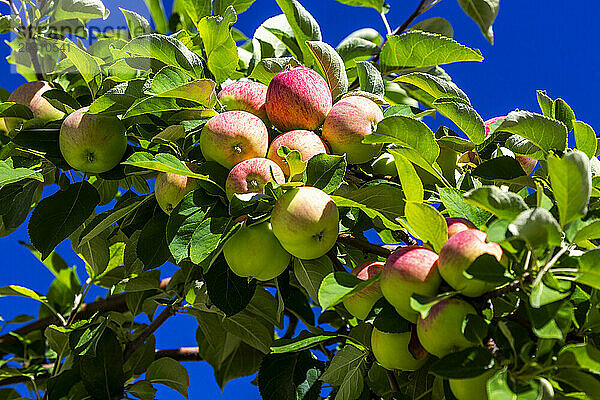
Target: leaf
[[464, 116], [589, 268], [136, 24], [142, 390], [483, 12], [547, 134], [244, 360], [56, 217], [564, 113], [437, 25], [546, 103], [537, 227], [504, 205], [325, 172], [9, 174], [427, 223], [376, 4], [229, 292], [305, 340], [417, 49], [433, 85], [220, 48], [303, 24], [571, 181], [267, 68], [588, 232], [370, 78], [20, 291], [220, 6], [81, 9], [310, 274], [347, 370], [488, 269], [504, 167], [86, 64], [251, 330], [580, 355], [332, 67], [292, 376], [467, 363], [585, 138], [356, 48], [118, 99], [157, 10], [457, 206], [386, 318], [152, 248], [338, 285], [409, 179], [169, 372], [173, 82]]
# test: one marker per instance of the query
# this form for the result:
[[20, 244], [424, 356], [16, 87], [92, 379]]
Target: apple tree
[[259, 166]]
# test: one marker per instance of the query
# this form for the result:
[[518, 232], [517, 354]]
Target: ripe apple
[[347, 124], [306, 142], [391, 350], [247, 96], [441, 332], [360, 303], [251, 176], [457, 224], [384, 165], [30, 95], [527, 163], [409, 270], [305, 220], [92, 143], [298, 98], [232, 137], [471, 388], [456, 256], [169, 189], [254, 252]]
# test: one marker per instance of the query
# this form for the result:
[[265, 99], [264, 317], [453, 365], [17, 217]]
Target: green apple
[[457, 224], [392, 351], [251, 176], [245, 95], [92, 143], [254, 252], [170, 189], [472, 388], [456, 256], [409, 270], [305, 220], [384, 165], [440, 332], [30, 95], [360, 303], [232, 137], [306, 142]]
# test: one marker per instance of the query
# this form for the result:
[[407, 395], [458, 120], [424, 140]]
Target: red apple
[[30, 95], [457, 224], [232, 137], [170, 189], [347, 124], [247, 96], [298, 98], [306, 142], [251, 176], [409, 270], [360, 303], [393, 350]]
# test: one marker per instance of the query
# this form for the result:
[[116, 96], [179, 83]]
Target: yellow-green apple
[[245, 96], [440, 332], [251, 176], [92, 143], [298, 98], [306, 142], [384, 165], [527, 163], [232, 137], [30, 95], [457, 254], [457, 224], [347, 124], [409, 270], [305, 220], [395, 350], [170, 189], [360, 303], [472, 388], [254, 252]]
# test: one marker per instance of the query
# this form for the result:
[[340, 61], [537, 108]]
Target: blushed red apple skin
[[360, 303], [347, 124], [391, 350], [298, 98], [251, 176], [306, 142], [457, 254], [232, 137], [247, 96], [527, 163], [457, 224], [440, 333], [409, 270], [30, 95], [170, 189]]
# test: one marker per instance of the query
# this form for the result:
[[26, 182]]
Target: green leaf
[[433, 85], [537, 227], [504, 205], [546, 103], [265, 305], [416, 158], [585, 138], [152, 248], [409, 179], [417, 49], [251, 330], [80, 9], [464, 116], [305, 340], [551, 321], [370, 78], [387, 319], [142, 390], [118, 99], [10, 109], [244, 360], [171, 373], [137, 24], [376, 4], [157, 11], [564, 113], [457, 206], [571, 181], [467, 363], [310, 274], [229, 292], [589, 268], [325, 172], [220, 48], [581, 381], [172, 82], [504, 167], [56, 217], [356, 48], [267, 68], [437, 25], [347, 370], [291, 376], [483, 12], [580, 355], [338, 285], [427, 223], [487, 268], [303, 24], [547, 134], [20, 291], [588, 232], [331, 65], [86, 64], [9, 174], [220, 6]]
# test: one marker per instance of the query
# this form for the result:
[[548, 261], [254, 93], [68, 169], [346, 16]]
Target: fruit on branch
[[384, 165], [247, 96], [307, 143], [395, 350], [457, 224], [92, 143], [232, 137], [254, 252], [30, 95], [169, 189], [251, 176], [305, 220], [360, 303], [472, 388], [298, 98], [456, 256], [527, 163], [409, 270], [440, 332], [347, 124]]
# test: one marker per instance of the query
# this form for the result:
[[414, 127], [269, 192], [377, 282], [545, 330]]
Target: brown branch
[[149, 331], [392, 380], [291, 329], [364, 245]]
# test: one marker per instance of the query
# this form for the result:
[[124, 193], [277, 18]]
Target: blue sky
[[539, 45]]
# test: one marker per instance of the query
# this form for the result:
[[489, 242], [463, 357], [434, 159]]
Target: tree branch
[[364, 245], [392, 380]]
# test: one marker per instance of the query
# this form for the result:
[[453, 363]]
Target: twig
[[392, 380], [291, 329], [337, 265], [149, 331], [364, 245], [549, 265], [78, 301]]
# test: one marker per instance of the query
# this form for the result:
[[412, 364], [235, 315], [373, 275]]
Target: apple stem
[[393, 382]]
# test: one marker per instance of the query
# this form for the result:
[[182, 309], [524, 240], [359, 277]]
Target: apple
[[306, 142], [472, 388], [347, 124], [409, 270], [385, 165], [392, 351], [232, 137], [527, 163], [457, 224], [170, 189], [254, 252], [30, 95], [457, 254], [92, 143], [251, 176], [360, 303], [298, 98], [305, 220], [440, 332], [247, 96]]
